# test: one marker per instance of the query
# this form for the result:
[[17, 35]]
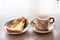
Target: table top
[[30, 34]]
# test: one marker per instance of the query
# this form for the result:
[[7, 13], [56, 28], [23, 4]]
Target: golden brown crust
[[13, 31], [17, 25]]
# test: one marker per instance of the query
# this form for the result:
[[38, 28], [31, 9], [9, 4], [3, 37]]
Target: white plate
[[9, 22], [49, 29]]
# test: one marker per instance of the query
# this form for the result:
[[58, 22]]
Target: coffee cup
[[43, 22]]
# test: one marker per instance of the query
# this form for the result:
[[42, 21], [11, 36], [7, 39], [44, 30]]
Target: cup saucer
[[49, 29], [9, 23]]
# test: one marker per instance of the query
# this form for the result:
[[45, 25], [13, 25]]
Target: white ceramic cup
[[42, 22]]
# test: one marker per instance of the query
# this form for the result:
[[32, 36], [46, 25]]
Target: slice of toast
[[19, 27]]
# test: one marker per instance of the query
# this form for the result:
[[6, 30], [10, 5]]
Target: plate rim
[[5, 26]]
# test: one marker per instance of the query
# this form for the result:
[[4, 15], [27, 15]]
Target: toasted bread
[[17, 25]]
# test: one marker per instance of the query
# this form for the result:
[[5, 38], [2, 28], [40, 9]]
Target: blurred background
[[10, 9]]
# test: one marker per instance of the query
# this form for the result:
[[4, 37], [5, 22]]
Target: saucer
[[9, 23], [49, 29]]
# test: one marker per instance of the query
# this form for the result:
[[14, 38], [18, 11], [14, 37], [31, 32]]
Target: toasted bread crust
[[17, 25]]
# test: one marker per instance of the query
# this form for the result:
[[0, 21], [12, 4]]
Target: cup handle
[[51, 19]]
